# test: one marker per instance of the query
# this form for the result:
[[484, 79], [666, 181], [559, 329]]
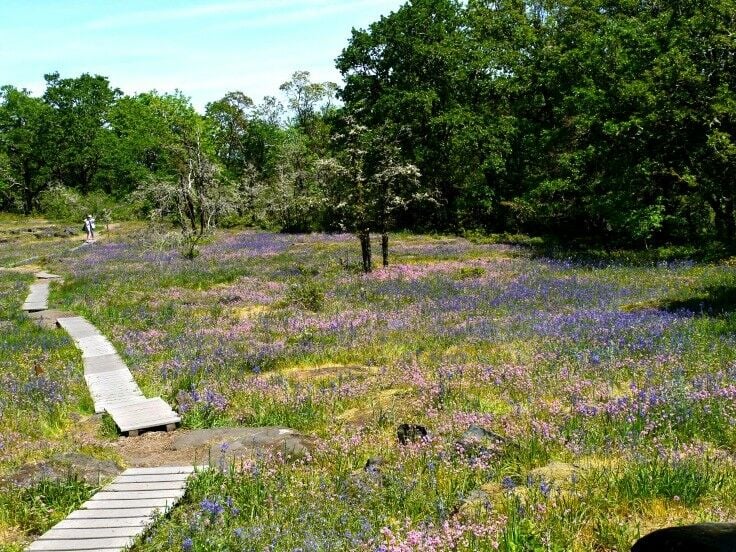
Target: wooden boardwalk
[[114, 517], [111, 384], [109, 380], [38, 298]]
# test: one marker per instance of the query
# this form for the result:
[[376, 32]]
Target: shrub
[[307, 293]]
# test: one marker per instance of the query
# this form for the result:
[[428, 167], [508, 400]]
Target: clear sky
[[203, 48]]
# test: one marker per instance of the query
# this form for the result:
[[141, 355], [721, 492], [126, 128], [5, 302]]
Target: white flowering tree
[[366, 184]]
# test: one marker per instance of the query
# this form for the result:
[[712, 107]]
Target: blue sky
[[203, 48]]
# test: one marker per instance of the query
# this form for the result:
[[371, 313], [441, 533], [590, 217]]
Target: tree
[[138, 147], [77, 128], [366, 183], [395, 186], [438, 83], [306, 99], [230, 122], [23, 145], [290, 197], [197, 198], [195, 193]]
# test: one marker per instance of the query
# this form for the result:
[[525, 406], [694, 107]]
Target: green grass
[[593, 365]]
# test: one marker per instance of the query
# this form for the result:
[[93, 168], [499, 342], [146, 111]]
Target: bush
[[61, 203], [307, 293], [66, 204]]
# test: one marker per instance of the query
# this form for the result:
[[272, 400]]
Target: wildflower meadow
[[569, 405]]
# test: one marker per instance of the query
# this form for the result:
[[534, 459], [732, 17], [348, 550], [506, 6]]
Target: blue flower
[[507, 483], [211, 507]]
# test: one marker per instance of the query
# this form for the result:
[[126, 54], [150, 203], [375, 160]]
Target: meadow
[[605, 391]]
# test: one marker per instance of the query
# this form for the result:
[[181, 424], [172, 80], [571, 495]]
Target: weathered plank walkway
[[113, 518], [111, 384], [38, 298], [109, 380]]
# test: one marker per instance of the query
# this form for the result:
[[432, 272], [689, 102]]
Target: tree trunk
[[365, 249], [384, 248], [27, 190], [724, 219], [730, 223]]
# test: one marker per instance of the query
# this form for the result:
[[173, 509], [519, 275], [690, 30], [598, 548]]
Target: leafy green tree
[[23, 146], [441, 86], [230, 121], [139, 144], [77, 128], [307, 100], [290, 198]]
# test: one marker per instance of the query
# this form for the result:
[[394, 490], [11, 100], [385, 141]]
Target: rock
[[479, 442], [477, 433], [47, 319], [478, 495], [557, 475], [373, 465], [703, 537], [480, 500], [410, 433], [60, 466], [228, 443]]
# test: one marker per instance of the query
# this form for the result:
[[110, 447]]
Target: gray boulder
[[228, 443]]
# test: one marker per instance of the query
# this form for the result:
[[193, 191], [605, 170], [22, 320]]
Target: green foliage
[[307, 292], [470, 272], [684, 480], [38, 507], [596, 120], [61, 203]]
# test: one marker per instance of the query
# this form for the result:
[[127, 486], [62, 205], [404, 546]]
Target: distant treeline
[[606, 120]]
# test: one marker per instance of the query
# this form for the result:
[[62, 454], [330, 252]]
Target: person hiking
[[89, 227]]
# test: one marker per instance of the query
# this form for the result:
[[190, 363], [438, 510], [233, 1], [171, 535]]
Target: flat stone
[[43, 275], [244, 442], [60, 466], [47, 318], [559, 475]]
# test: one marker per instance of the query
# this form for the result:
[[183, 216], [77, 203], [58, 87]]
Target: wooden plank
[[113, 513], [113, 388], [142, 415], [77, 326], [131, 413], [114, 377], [150, 486], [105, 495], [151, 478], [94, 345], [162, 503], [46, 275], [81, 544], [111, 381], [103, 363], [145, 423], [91, 533], [92, 523], [38, 297], [161, 470], [113, 517]]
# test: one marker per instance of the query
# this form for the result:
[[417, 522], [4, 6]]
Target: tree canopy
[[606, 120]]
